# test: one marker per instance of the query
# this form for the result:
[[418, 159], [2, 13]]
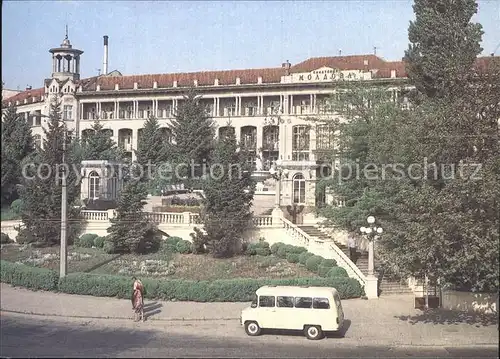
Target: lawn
[[159, 265]]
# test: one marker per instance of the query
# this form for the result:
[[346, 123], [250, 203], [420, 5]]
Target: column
[[117, 109], [370, 258], [314, 109], [239, 106], [311, 99], [292, 107], [214, 109], [134, 141], [281, 103], [54, 64], [99, 109], [260, 134]]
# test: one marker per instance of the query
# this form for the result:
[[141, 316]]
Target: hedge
[[337, 272], [313, 263], [99, 242], [304, 256], [223, 290], [21, 275], [259, 248], [4, 238]]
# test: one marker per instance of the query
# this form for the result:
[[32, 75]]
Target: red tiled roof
[[355, 62], [26, 95], [384, 71], [204, 78]]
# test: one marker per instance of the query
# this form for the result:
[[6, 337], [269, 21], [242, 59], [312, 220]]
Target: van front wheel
[[252, 328], [313, 332]]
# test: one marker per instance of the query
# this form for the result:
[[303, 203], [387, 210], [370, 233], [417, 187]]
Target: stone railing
[[95, 215], [165, 217], [327, 250], [263, 221], [184, 218]]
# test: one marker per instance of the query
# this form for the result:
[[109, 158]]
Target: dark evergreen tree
[[228, 198], [443, 45], [41, 188], [99, 145], [17, 143], [131, 231], [154, 151], [193, 132]]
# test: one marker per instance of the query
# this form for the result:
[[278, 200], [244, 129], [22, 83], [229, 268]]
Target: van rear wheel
[[313, 332], [252, 328]]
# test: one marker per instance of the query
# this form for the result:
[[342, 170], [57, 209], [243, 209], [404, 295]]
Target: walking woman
[[138, 300]]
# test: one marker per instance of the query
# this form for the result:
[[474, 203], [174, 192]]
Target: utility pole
[[63, 262]]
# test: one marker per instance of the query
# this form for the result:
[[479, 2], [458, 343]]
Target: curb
[[115, 318]]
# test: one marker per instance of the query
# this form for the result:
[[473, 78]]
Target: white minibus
[[315, 310]]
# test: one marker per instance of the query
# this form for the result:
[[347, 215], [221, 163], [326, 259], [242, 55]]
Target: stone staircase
[[386, 285]]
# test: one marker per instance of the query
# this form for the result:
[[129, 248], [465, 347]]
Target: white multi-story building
[[266, 108]]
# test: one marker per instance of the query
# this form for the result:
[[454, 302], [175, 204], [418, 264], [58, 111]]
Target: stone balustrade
[[95, 216], [184, 218], [327, 250]]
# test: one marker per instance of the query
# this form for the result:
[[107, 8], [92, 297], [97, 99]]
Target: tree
[[439, 220], [154, 150], [99, 145], [17, 143], [193, 132], [228, 198], [41, 187], [130, 230], [443, 45]]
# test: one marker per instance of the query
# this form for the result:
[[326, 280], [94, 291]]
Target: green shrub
[[281, 253], [109, 247], [267, 262], [275, 247], [231, 290], [4, 238], [86, 241], [263, 244], [297, 249], [313, 263], [304, 256], [16, 207], [251, 249], [292, 257], [262, 251], [337, 272], [99, 242], [22, 275], [170, 244], [183, 247], [325, 266]]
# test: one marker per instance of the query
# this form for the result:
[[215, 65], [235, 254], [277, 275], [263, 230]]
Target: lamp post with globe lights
[[371, 231], [278, 172]]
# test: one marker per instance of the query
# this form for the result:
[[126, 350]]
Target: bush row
[[230, 290], [317, 264], [5, 239]]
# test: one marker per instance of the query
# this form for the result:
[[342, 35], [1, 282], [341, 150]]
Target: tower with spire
[[66, 61]]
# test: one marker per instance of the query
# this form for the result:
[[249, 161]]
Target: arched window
[[94, 184], [299, 188], [37, 139]]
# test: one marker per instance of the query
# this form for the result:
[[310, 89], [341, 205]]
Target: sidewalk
[[81, 306]]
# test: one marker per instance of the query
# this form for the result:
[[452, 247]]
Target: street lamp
[[278, 172], [371, 232], [63, 256]]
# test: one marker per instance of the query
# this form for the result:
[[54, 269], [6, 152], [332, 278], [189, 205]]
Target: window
[[303, 302], [325, 137], [266, 301], [300, 143], [299, 188], [68, 112], [230, 110], [94, 182], [249, 137], [321, 303], [285, 302]]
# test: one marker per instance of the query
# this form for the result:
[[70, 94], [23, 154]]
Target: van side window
[[303, 302], [286, 302], [321, 303], [266, 301]]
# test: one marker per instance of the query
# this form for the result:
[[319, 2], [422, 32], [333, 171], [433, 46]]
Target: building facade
[[268, 109]]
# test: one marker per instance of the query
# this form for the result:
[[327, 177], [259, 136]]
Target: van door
[[267, 311]]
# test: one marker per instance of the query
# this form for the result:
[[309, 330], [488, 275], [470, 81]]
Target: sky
[[148, 37]]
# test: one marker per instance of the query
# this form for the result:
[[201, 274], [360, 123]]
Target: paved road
[[31, 336]]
